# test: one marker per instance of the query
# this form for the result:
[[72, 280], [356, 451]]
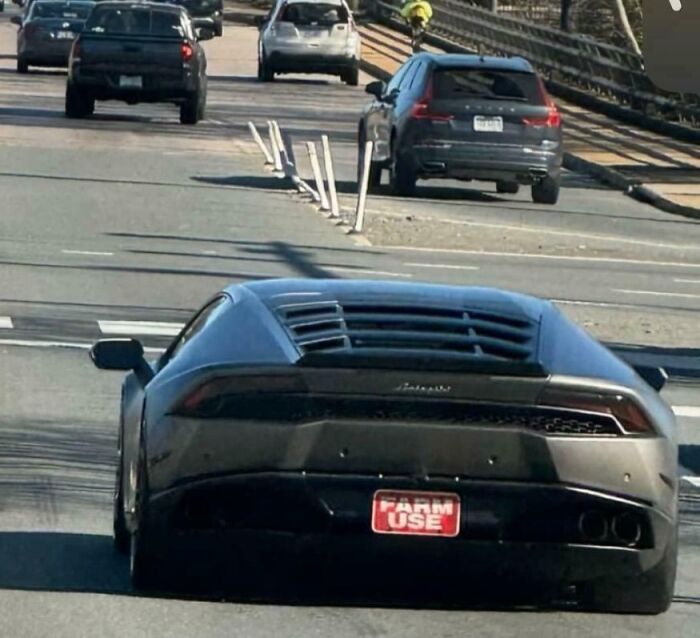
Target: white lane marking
[[446, 266], [689, 411], [76, 345], [362, 271], [494, 253], [687, 281], [599, 304], [87, 252], [693, 480], [683, 295], [162, 328], [6, 322]]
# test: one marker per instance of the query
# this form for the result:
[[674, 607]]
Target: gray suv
[[464, 117]]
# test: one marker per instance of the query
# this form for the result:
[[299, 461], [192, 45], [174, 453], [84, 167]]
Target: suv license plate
[[484, 124], [130, 82], [415, 513], [65, 35]]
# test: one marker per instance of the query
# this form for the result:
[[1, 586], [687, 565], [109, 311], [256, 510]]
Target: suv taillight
[[75, 51], [553, 117], [624, 410], [186, 51], [421, 109]]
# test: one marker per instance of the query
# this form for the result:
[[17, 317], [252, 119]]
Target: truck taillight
[[626, 411], [75, 51], [186, 51]]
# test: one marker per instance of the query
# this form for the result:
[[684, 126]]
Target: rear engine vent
[[369, 327]]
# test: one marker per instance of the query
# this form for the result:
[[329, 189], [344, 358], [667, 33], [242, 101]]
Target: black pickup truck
[[139, 52]]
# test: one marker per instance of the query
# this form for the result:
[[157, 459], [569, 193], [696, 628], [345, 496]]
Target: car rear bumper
[[309, 62], [486, 161], [509, 529], [104, 85], [47, 53]]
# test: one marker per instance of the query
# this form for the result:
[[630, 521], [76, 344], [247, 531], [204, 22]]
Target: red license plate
[[415, 513]]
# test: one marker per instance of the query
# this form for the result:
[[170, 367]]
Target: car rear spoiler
[[656, 377], [388, 359]]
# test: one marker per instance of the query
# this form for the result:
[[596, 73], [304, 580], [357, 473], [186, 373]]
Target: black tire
[[191, 109], [402, 177], [121, 536], [375, 169], [22, 66], [509, 188], [78, 105], [546, 191], [351, 76], [265, 74], [650, 593], [219, 28]]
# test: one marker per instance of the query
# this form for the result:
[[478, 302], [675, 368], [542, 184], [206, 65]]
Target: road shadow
[[256, 182], [679, 363], [689, 457]]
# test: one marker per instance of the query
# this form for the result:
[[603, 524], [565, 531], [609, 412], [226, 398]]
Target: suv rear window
[[66, 10], [135, 21], [314, 14], [489, 84]]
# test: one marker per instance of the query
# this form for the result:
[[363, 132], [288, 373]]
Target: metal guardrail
[[572, 59]]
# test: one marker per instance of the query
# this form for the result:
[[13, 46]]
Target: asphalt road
[[126, 222]]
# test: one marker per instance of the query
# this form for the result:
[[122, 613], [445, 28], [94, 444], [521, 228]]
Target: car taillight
[[31, 29], [75, 51], [421, 109], [624, 410], [553, 117], [186, 51]]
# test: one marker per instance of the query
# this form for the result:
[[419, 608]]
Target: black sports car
[[470, 423]]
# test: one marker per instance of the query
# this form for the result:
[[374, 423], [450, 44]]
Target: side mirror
[[203, 23], [205, 33], [16, 20], [117, 354], [376, 88], [655, 377], [259, 21]]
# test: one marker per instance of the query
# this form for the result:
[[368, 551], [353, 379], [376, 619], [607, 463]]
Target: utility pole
[[566, 16]]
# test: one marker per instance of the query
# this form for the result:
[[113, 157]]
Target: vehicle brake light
[[186, 51], [31, 29], [553, 117], [624, 410], [421, 109], [75, 51]]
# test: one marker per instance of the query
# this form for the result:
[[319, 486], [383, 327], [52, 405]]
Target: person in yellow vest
[[417, 14]]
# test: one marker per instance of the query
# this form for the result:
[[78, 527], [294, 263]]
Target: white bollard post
[[318, 177], [330, 176], [273, 142], [363, 185], [261, 145]]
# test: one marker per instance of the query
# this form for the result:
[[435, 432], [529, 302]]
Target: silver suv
[[309, 36]]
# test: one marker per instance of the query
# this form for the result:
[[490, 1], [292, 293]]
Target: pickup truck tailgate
[[131, 55]]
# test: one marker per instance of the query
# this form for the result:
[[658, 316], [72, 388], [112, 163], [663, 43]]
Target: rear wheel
[[191, 110], [22, 65], [351, 76], [121, 534], [403, 176], [506, 187], [219, 28], [265, 74], [78, 105], [546, 191]]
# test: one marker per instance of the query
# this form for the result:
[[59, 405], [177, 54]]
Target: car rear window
[[314, 14], [65, 10], [490, 84], [135, 21]]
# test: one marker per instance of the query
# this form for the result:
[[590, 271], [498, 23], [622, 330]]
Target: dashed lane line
[[161, 328], [445, 266], [6, 322], [655, 293]]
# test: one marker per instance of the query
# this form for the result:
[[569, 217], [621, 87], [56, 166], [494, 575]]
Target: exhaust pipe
[[626, 529], [593, 526]]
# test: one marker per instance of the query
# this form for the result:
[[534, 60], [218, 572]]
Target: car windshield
[[66, 10], [135, 21], [314, 14], [461, 83]]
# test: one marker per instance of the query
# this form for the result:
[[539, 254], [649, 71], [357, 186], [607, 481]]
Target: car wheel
[[510, 188], [22, 65], [351, 76], [403, 176], [190, 109], [546, 191], [265, 74], [219, 28], [78, 105], [375, 169], [122, 538], [650, 593]]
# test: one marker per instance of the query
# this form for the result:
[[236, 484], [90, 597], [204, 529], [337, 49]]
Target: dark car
[[140, 52], [465, 117], [471, 427], [213, 9], [47, 30]]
